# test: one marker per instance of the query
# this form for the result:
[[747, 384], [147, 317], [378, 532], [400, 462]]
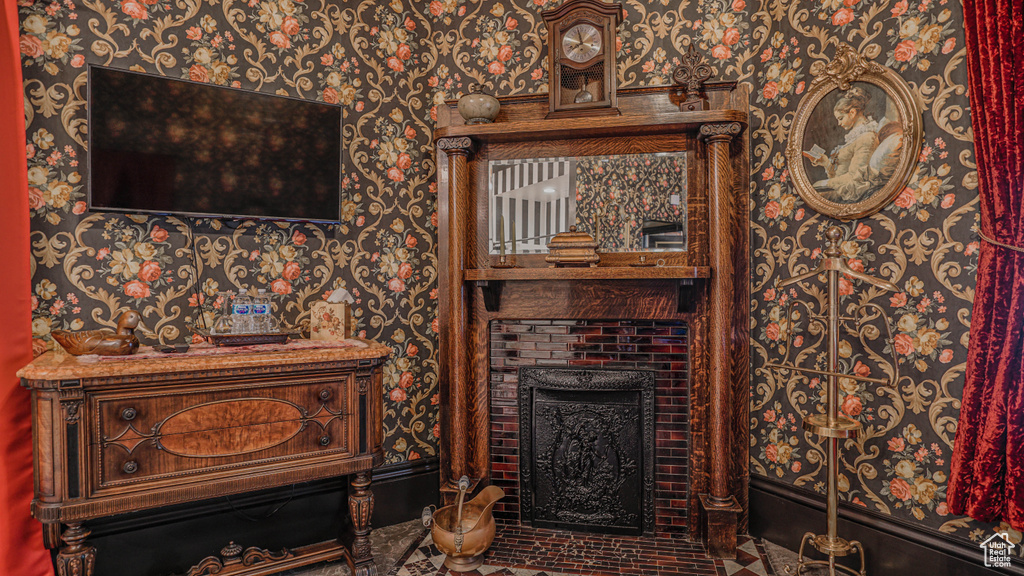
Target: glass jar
[[223, 323]]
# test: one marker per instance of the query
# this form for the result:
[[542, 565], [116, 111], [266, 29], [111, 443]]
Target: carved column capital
[[720, 131], [456, 145]]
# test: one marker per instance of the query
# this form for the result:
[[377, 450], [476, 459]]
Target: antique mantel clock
[[582, 74]]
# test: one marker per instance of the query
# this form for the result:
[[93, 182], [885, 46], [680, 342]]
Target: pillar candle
[[501, 235]]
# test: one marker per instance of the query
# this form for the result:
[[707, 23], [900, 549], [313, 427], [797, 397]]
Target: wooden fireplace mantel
[[705, 285], [637, 125], [592, 273]]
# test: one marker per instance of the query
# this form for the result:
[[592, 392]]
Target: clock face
[[581, 42]]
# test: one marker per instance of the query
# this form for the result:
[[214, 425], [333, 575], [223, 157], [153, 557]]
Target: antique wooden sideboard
[[125, 434], [702, 281]]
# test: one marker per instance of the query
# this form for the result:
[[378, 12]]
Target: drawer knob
[[130, 467], [129, 414], [325, 394], [325, 440]]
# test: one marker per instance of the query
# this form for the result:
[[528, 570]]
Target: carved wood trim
[[72, 411], [721, 131], [360, 503], [456, 145], [75, 558], [232, 555], [690, 76]]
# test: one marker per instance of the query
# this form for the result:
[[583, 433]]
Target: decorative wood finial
[[690, 76]]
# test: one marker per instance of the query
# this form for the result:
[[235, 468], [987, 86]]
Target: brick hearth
[[656, 345], [525, 551]]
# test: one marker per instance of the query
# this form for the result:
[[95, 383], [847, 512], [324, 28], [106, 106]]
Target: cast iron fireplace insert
[[587, 449]]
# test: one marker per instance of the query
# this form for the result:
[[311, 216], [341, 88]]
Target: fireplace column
[[720, 507], [453, 306]]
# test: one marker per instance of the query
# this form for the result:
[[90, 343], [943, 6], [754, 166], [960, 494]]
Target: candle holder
[[505, 262], [643, 262]]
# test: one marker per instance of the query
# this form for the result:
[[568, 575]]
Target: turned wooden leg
[[75, 559], [360, 505]]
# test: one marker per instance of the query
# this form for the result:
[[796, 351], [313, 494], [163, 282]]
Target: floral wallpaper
[[616, 196], [390, 64], [369, 58], [924, 241]]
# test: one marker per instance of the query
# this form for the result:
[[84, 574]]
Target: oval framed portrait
[[855, 141]]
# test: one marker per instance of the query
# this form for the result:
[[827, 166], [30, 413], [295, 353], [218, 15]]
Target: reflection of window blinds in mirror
[[531, 214], [525, 173]]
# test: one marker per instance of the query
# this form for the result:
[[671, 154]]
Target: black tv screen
[[167, 146]]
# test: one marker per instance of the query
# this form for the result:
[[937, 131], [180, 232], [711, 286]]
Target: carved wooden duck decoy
[[103, 342]]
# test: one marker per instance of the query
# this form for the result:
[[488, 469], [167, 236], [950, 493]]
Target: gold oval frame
[[846, 67]]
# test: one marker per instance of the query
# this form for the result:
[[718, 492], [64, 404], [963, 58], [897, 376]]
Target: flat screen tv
[[166, 146]]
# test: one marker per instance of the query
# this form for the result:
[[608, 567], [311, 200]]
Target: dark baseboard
[[402, 491], [782, 514], [172, 539]]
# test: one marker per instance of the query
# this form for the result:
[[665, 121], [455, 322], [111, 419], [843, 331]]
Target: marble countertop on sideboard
[[59, 365]]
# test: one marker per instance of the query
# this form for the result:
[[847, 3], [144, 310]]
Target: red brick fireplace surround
[[634, 344]]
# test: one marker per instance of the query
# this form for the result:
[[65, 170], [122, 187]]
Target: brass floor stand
[[839, 547], [833, 426]]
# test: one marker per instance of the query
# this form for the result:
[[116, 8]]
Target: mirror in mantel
[[628, 203]]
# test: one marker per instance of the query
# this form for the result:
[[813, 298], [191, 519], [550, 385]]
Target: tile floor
[[406, 550], [522, 551], [390, 545]]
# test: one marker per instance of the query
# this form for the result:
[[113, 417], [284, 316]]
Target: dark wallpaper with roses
[[633, 189], [390, 64], [370, 58], [924, 242]]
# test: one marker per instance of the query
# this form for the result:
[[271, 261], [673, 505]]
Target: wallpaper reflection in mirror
[[632, 202]]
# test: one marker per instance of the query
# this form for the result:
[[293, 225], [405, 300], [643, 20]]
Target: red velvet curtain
[[21, 538], [987, 479]]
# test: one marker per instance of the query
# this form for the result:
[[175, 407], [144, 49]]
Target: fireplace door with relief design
[[587, 449]]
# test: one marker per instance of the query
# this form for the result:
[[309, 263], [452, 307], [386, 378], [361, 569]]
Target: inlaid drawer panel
[[152, 436]]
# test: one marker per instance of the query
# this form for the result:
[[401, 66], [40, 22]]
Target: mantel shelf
[[591, 127], [590, 273]]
